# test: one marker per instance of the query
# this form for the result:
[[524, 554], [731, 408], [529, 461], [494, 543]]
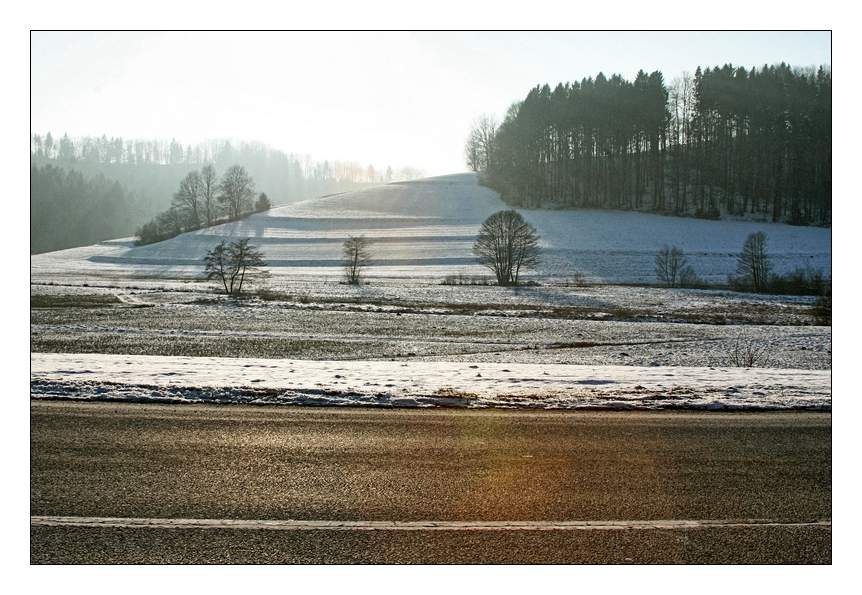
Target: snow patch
[[423, 384]]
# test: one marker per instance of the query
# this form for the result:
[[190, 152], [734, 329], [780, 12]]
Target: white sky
[[382, 98]]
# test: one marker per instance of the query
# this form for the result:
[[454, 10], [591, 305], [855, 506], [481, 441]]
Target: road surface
[[133, 483]]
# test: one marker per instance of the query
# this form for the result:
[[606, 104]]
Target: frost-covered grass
[[607, 302], [425, 229], [583, 326]]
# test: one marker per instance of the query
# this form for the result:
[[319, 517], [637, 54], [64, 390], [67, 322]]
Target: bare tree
[[681, 99], [234, 264], [480, 144], [236, 191], [753, 266], [356, 257], [209, 189], [671, 266], [471, 152], [216, 265], [248, 263], [188, 199], [507, 244]]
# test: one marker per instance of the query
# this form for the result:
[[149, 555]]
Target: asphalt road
[[230, 462]]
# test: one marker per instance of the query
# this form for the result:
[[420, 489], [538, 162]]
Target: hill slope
[[426, 228]]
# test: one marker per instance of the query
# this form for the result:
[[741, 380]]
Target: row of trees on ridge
[[297, 169], [203, 200], [723, 141], [147, 173]]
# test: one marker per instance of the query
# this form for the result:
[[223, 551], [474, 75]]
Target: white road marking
[[322, 525]]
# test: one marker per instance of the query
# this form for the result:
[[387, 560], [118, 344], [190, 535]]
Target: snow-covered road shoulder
[[421, 384]]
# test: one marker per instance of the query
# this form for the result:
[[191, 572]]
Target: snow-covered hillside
[[425, 228]]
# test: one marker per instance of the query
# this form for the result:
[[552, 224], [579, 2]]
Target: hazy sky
[[382, 98]]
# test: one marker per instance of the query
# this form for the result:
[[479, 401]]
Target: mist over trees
[[236, 191], [228, 199], [262, 203], [209, 192], [68, 208], [149, 172], [190, 197], [723, 141]]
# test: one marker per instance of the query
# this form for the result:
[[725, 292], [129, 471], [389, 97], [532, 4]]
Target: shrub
[[462, 279], [263, 203], [578, 279], [800, 281], [748, 353], [822, 309], [670, 263], [688, 278], [165, 225]]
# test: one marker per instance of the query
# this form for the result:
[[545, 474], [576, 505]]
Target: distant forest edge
[[86, 190], [724, 141], [70, 209]]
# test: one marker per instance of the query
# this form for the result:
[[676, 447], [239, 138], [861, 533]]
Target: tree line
[[203, 199], [68, 208], [148, 173], [104, 150], [723, 141]]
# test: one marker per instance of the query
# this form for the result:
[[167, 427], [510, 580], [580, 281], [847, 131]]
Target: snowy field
[[405, 384], [488, 347], [425, 229], [597, 325], [598, 302], [119, 322]]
